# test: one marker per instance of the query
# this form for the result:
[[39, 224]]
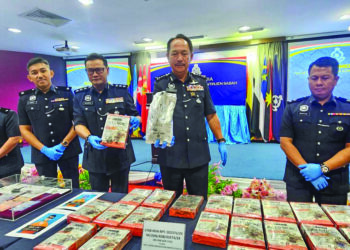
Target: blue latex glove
[[59, 148], [164, 144], [320, 183], [310, 171], [223, 152], [95, 142], [134, 123], [51, 153]]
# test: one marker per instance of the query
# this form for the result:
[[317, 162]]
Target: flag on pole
[[139, 91], [134, 83], [268, 135], [144, 111], [262, 98]]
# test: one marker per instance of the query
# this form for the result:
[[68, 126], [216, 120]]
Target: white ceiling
[[112, 26]]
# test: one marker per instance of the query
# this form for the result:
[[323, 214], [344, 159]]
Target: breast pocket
[[116, 108], [199, 101], [338, 127], [303, 125], [61, 107], [33, 111]]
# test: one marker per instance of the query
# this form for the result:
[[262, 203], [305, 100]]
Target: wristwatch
[[324, 168], [65, 143], [221, 140]]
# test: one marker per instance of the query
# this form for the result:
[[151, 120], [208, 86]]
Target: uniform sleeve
[[11, 124], [286, 129], [209, 107], [157, 87], [130, 105], [70, 105], [22, 113], [78, 114]]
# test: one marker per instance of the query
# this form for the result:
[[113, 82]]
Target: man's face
[[322, 82], [97, 72], [40, 74], [179, 56]]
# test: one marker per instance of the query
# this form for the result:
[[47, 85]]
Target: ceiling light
[[87, 2], [349, 28], [75, 47], [155, 47], [245, 38], [14, 30], [244, 28], [344, 17], [147, 40]]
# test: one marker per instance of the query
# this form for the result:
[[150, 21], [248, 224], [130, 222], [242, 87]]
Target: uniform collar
[[332, 100], [174, 77], [52, 88], [105, 90]]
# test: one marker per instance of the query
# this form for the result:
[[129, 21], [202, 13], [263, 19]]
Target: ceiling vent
[[45, 17]]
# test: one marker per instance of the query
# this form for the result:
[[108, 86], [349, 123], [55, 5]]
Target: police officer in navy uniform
[[11, 159], [189, 156], [91, 107], [315, 135], [46, 123]]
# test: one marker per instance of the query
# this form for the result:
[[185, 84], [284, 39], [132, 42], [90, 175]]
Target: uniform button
[[45, 99], [317, 154], [61, 105], [321, 110], [100, 100], [320, 121], [301, 120], [101, 118], [86, 108], [320, 132], [188, 139], [31, 108], [188, 128], [51, 132], [46, 107], [318, 143], [99, 108], [48, 115], [101, 128], [185, 105], [339, 121], [186, 117], [50, 123], [53, 140], [184, 94]]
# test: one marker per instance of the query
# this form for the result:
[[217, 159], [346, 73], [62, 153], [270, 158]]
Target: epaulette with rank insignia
[[81, 89], [3, 110], [63, 88], [29, 91], [298, 100], [342, 99], [201, 76], [162, 77], [123, 86]]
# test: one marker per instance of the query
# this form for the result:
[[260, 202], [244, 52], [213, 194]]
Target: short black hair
[[95, 56], [326, 61], [36, 60], [180, 36]]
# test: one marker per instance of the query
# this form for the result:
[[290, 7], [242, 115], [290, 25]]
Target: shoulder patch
[[298, 100], [201, 76], [81, 89], [122, 86], [26, 92], [162, 77], [63, 88], [341, 99], [3, 110]]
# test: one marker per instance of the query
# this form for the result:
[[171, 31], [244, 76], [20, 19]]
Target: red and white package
[[246, 207], [220, 204], [247, 232], [108, 238], [339, 214], [281, 235], [321, 237], [211, 229], [277, 211], [134, 222], [345, 231], [136, 196], [89, 212], [186, 206], [310, 213], [114, 215], [234, 247], [70, 237], [160, 199]]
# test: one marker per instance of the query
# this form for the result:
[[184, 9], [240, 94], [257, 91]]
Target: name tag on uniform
[[60, 99], [114, 100], [194, 88]]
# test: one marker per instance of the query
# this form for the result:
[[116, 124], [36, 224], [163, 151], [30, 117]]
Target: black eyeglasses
[[91, 71]]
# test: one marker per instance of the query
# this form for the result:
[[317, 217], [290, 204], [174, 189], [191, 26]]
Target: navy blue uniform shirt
[[318, 132], [51, 118], [9, 128], [193, 104], [91, 109]]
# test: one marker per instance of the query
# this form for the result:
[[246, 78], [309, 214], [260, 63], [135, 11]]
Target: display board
[[302, 54]]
